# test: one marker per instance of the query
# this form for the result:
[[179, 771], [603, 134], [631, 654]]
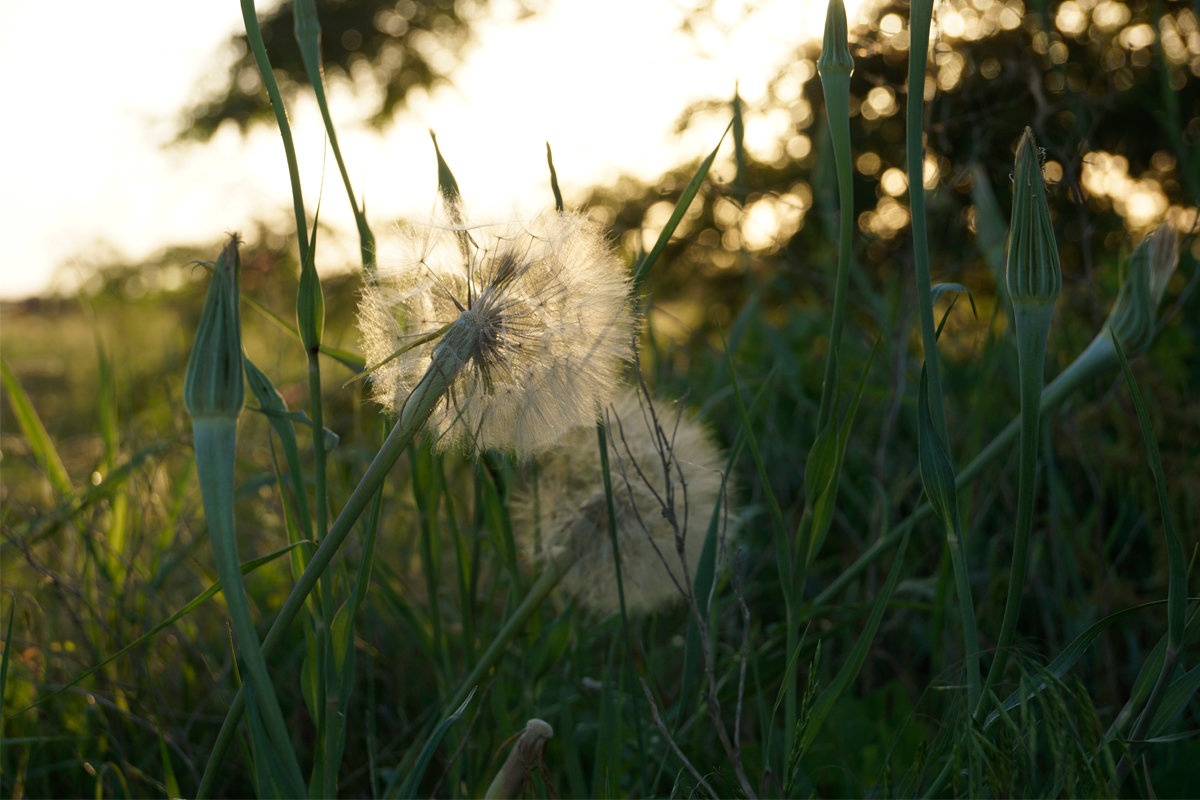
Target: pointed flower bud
[[1150, 267], [1034, 273], [835, 50], [214, 386]]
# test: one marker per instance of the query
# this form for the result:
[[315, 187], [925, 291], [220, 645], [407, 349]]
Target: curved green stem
[[1032, 326], [259, 49], [920, 15], [512, 626], [836, 66], [215, 444], [919, 20], [448, 359], [308, 36], [1095, 359], [395, 444]]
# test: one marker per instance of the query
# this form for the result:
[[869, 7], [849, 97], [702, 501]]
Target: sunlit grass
[[410, 619]]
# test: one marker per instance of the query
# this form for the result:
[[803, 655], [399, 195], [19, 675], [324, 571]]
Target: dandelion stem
[[512, 626]]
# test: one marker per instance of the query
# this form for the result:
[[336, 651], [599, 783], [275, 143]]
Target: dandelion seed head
[[569, 518], [545, 306]]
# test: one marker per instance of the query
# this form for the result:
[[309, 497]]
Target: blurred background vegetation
[[1110, 88]]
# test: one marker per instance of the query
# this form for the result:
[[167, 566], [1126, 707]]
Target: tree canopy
[[388, 48]]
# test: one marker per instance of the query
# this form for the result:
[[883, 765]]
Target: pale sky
[[93, 92]]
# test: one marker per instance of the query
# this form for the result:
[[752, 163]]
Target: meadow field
[[768, 478]]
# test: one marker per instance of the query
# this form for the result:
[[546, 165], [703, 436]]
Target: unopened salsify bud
[[214, 386], [1034, 273], [835, 50], [1150, 267]]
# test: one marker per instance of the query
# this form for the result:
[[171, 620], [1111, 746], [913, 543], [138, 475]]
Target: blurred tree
[[1111, 88], [1112, 92], [387, 46]]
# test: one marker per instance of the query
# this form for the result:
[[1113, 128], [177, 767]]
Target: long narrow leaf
[[1178, 695], [189, 607], [685, 200], [1176, 567], [308, 36], [35, 433], [413, 780], [858, 654], [1070, 654]]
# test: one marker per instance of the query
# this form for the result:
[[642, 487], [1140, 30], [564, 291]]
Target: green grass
[[829, 648]]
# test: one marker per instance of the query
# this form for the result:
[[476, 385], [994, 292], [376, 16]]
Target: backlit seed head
[[666, 481], [1034, 273], [542, 321], [1135, 310]]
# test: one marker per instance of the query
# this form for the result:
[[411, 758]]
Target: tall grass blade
[[1176, 566], [259, 49], [272, 406], [776, 513], [412, 781], [685, 200], [342, 630], [703, 588], [1181, 693], [824, 502], [558, 198], [835, 67], [1176, 573], [602, 443], [44, 450], [937, 473], [189, 607], [116, 557], [169, 779], [1070, 655], [857, 656], [308, 36], [8, 646]]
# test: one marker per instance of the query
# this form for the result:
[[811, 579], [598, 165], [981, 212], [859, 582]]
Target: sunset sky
[[89, 175]]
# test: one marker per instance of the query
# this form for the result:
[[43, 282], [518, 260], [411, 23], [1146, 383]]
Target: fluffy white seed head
[[666, 482], [547, 307]]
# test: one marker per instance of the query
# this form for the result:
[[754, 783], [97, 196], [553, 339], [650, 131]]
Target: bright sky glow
[[87, 178]]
